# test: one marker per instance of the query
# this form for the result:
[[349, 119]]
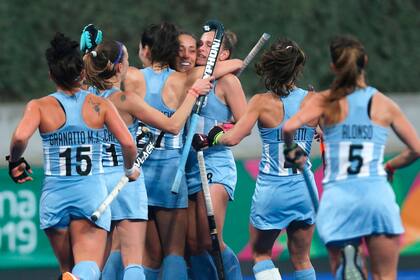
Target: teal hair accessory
[[90, 38]]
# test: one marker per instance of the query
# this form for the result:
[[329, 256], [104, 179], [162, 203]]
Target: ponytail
[[100, 64], [348, 57]]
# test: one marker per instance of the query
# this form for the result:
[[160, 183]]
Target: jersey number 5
[[355, 158]]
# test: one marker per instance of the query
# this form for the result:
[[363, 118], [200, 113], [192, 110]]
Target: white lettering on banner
[[18, 233]]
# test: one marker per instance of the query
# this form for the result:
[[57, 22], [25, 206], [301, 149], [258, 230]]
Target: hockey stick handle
[[111, 196], [215, 250], [258, 46], [204, 183]]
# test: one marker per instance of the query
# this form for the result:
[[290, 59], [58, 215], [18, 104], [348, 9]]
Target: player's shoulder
[[228, 78], [263, 99], [133, 75]]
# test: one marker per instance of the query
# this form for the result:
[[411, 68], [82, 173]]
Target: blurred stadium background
[[389, 30]]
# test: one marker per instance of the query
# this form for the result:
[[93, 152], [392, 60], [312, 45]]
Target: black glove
[[293, 154], [214, 134], [200, 141], [13, 165]]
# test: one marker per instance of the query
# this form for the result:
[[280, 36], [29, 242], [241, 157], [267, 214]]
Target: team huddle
[[104, 113]]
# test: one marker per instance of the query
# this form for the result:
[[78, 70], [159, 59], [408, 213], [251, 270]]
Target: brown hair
[[100, 63], [280, 66], [348, 56], [229, 42]]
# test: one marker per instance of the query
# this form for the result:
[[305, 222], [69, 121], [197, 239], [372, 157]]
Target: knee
[[197, 247], [192, 245], [300, 261]]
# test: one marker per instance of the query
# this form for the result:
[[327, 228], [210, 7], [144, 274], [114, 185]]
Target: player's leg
[[113, 268], [132, 236], [198, 239], [384, 253], [220, 199], [60, 242], [345, 259], [299, 238], [152, 257], [88, 245], [262, 242], [172, 227]]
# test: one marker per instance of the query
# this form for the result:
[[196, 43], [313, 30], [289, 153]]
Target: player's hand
[[200, 142], [132, 173], [214, 135], [202, 86], [295, 156], [19, 170], [389, 172]]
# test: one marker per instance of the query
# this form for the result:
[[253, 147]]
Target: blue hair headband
[[120, 52]]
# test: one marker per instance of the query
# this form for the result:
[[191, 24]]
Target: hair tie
[[94, 53]]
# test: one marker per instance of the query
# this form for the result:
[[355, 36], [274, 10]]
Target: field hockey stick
[[310, 184], [208, 71], [141, 158], [258, 46], [215, 246]]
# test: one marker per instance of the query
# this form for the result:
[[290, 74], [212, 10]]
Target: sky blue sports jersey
[[155, 83], [112, 153], [74, 149], [272, 159], [354, 148]]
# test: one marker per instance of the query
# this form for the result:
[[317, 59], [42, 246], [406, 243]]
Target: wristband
[[129, 171], [389, 167], [193, 92]]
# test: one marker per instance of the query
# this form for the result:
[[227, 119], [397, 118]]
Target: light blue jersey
[[131, 202], [160, 168], [112, 152], [272, 158], [220, 164], [73, 185], [154, 86], [213, 112], [74, 149], [357, 199], [281, 195], [355, 147]]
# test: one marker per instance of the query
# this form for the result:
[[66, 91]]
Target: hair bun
[[62, 46]]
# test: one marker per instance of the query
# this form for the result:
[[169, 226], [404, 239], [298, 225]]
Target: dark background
[[388, 28]]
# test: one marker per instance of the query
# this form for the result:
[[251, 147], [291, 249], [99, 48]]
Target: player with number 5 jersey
[[357, 201]]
